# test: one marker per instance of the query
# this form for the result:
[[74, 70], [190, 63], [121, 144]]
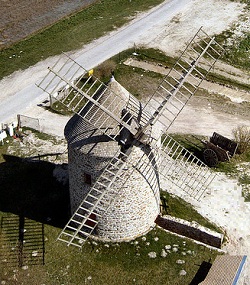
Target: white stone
[[179, 261], [25, 267], [34, 253], [182, 272], [175, 249], [152, 254], [163, 253], [168, 246]]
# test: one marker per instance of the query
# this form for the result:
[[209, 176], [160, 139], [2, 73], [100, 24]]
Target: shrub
[[242, 137]]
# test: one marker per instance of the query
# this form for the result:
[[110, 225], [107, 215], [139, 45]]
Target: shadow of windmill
[[202, 272], [30, 197]]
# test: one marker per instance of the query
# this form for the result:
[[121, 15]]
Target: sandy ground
[[223, 204]]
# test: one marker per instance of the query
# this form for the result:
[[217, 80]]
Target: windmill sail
[[183, 80], [179, 167], [70, 84], [101, 196]]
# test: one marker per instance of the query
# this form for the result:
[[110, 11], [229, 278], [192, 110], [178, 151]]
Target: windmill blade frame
[[78, 92], [173, 94]]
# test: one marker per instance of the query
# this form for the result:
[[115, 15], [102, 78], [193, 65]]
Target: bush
[[104, 70], [242, 137]]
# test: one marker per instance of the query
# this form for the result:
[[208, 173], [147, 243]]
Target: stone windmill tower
[[119, 149], [134, 211]]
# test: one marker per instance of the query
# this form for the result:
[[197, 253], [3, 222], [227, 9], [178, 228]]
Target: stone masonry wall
[[133, 213]]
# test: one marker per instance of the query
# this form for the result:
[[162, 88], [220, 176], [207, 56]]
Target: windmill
[[119, 149]]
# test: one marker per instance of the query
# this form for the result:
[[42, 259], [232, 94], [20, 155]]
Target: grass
[[236, 54], [177, 207], [29, 189], [112, 263], [71, 33], [148, 80]]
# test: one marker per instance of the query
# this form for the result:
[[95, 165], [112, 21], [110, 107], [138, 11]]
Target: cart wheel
[[210, 157]]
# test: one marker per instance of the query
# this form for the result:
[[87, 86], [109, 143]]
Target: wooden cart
[[217, 149]]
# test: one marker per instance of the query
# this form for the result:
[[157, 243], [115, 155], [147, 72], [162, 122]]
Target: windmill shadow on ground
[[201, 273], [29, 189]]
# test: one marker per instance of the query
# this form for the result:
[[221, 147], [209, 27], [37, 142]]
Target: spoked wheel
[[210, 157]]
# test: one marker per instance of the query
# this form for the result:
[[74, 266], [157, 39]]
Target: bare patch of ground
[[214, 16]]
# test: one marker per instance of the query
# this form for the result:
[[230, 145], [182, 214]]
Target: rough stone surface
[[135, 209]]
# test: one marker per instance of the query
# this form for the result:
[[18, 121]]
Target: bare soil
[[21, 18]]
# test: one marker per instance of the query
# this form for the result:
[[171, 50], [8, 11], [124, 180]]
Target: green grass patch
[[238, 53], [147, 81], [29, 189], [115, 263], [179, 208], [71, 33]]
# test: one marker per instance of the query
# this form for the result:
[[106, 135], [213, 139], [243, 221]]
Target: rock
[[25, 267], [152, 254], [182, 272], [34, 253], [179, 261], [163, 253], [167, 246], [175, 249]]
